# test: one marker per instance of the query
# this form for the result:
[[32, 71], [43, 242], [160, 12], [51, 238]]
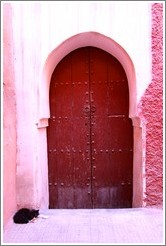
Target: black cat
[[24, 215]]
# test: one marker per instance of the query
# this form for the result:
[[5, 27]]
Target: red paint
[[152, 108], [90, 137]]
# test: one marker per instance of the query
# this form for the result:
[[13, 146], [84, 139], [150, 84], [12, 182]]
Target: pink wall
[[153, 111], [23, 70], [9, 121]]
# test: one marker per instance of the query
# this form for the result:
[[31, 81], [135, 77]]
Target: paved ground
[[84, 226]]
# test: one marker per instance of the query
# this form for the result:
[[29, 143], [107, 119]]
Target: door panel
[[111, 129], [89, 136], [67, 135]]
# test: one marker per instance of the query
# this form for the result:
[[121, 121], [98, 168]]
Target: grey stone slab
[[85, 226]]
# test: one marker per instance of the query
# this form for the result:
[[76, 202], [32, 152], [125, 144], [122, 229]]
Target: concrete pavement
[[95, 226]]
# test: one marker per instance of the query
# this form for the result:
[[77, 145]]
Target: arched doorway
[[90, 137]]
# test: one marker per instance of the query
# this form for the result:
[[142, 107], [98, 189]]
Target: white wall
[[39, 27], [45, 25]]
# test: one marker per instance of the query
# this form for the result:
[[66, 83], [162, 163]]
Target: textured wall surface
[[152, 103]]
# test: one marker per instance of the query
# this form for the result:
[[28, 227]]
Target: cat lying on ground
[[25, 215]]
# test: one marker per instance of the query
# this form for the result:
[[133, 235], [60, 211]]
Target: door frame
[[98, 40], [89, 164]]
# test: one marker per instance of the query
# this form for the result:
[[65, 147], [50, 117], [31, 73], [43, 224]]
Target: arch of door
[[90, 137]]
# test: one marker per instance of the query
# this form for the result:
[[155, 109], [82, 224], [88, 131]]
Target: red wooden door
[[90, 137]]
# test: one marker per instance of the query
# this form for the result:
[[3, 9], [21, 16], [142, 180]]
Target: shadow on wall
[[9, 121]]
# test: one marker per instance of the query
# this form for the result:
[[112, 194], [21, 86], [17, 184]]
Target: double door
[[90, 137]]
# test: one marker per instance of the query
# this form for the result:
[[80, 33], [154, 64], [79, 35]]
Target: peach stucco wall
[[9, 120], [152, 109]]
